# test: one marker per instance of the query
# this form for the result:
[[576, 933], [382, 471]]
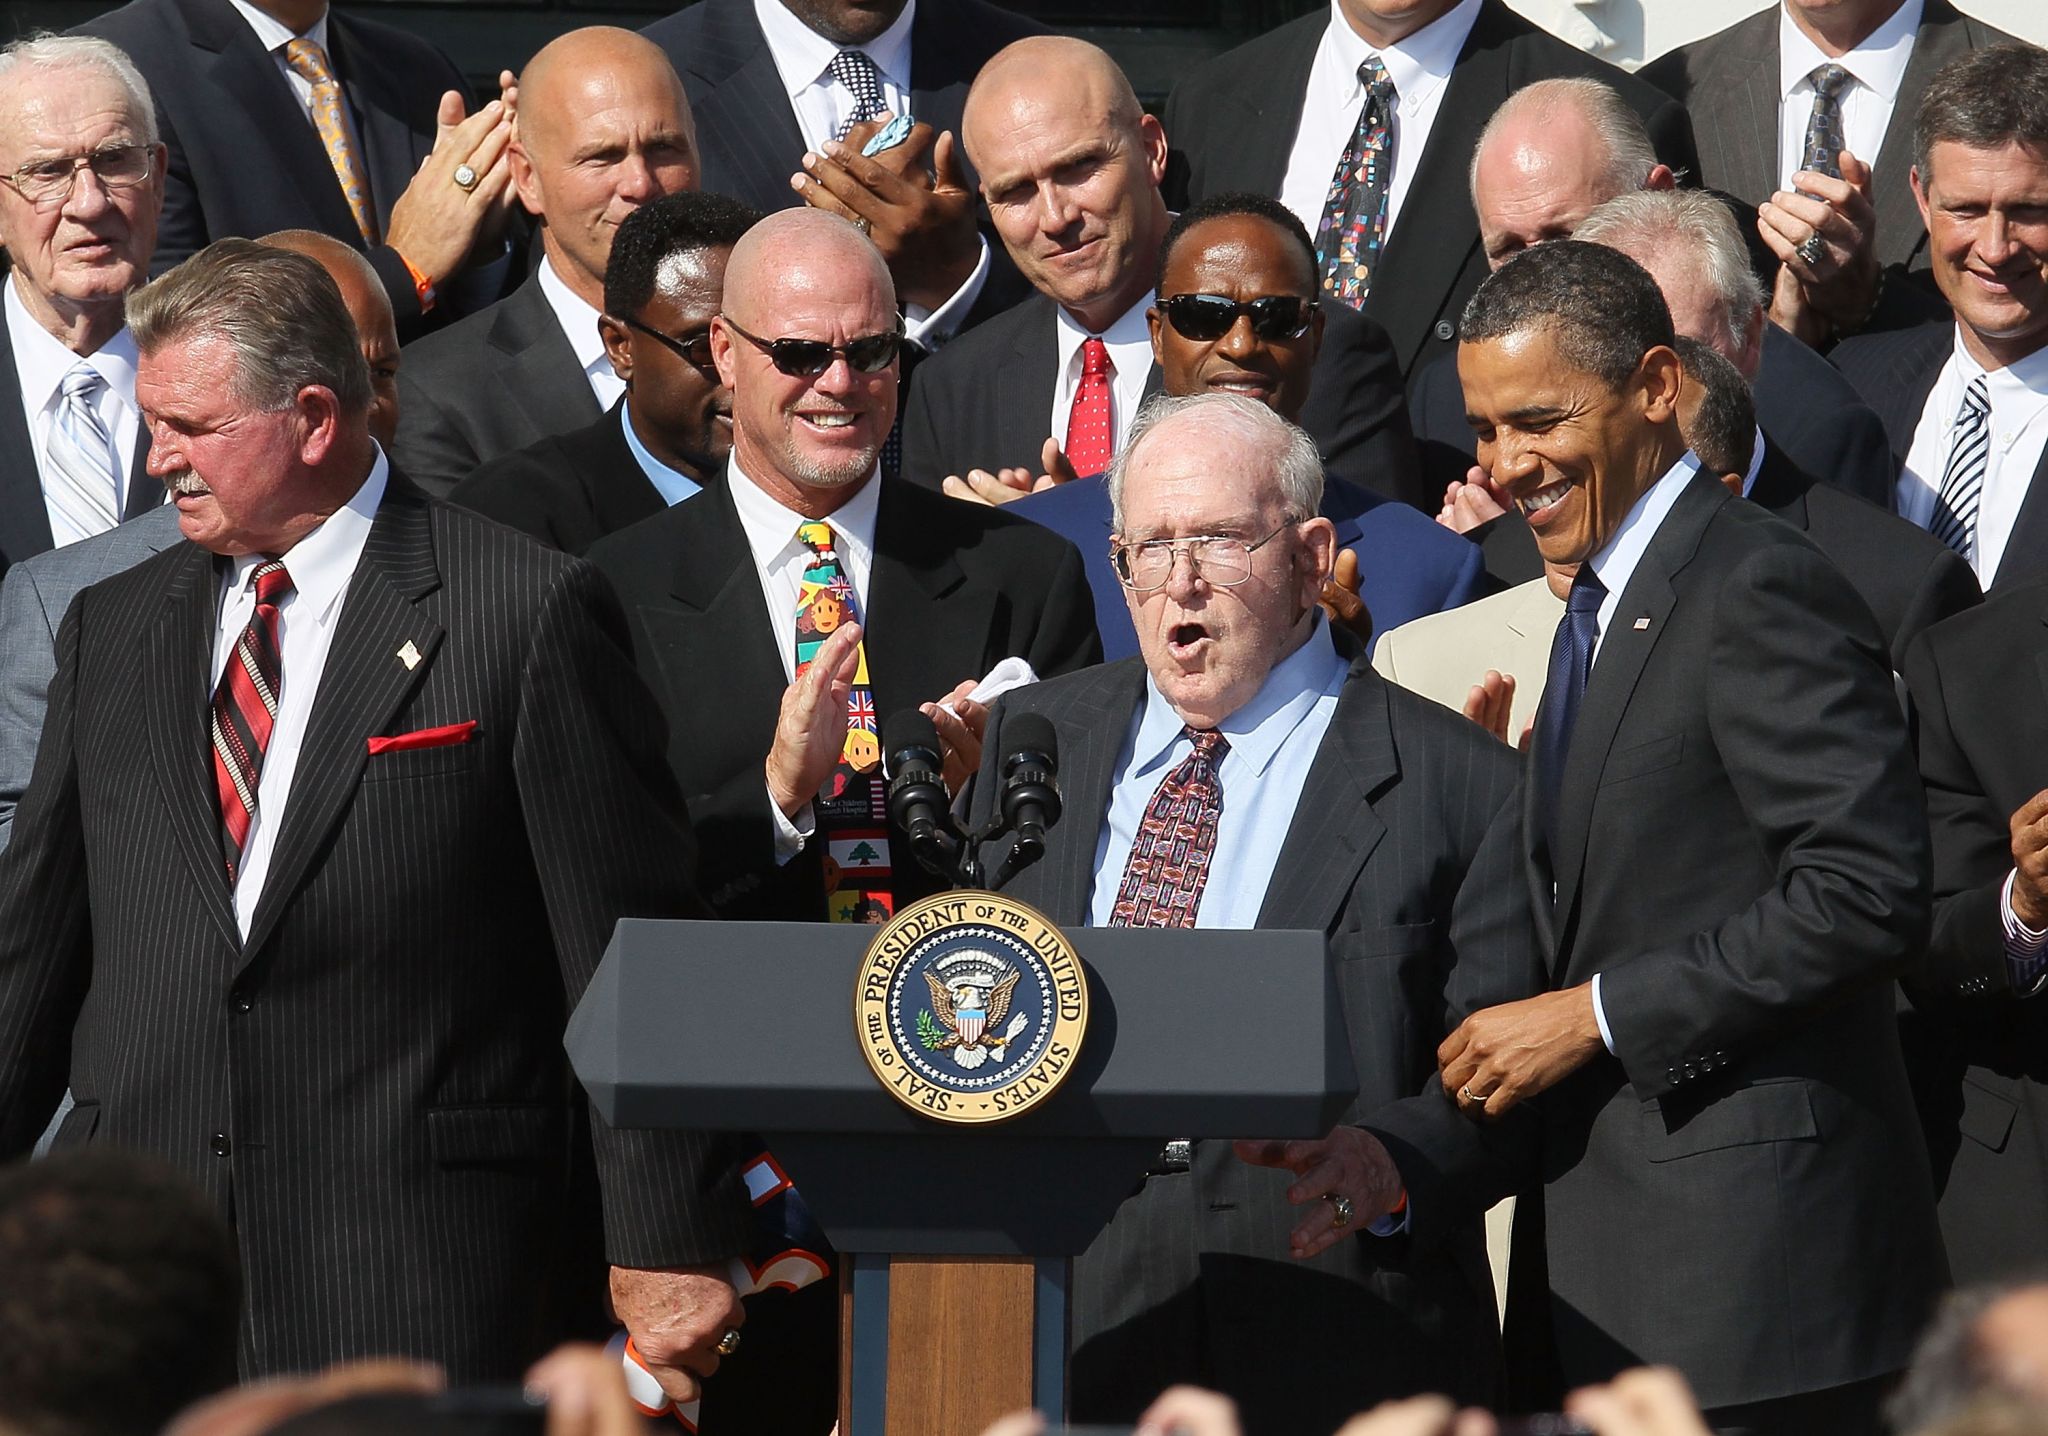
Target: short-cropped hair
[[120, 1295], [1693, 222], [1289, 452], [46, 53], [1723, 428], [1232, 205], [656, 233], [1986, 99], [280, 312], [1601, 308]]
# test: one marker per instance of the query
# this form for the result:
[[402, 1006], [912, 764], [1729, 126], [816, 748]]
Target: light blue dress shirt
[[1273, 743], [673, 484]]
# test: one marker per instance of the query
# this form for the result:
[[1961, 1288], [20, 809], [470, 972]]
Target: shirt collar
[[771, 527], [2028, 375], [804, 56], [672, 483], [41, 361], [273, 34], [578, 320], [1616, 561], [1416, 64], [1878, 64], [1259, 729], [1756, 463], [1129, 332], [322, 563]]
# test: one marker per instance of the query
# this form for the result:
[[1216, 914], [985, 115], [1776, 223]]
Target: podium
[[958, 1240]]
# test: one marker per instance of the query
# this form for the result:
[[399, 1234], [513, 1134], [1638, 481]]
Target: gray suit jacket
[[33, 600], [1192, 1280]]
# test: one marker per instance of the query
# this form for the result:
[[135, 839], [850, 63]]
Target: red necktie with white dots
[[1090, 441]]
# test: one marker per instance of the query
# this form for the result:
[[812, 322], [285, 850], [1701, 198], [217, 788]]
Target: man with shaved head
[[603, 128]]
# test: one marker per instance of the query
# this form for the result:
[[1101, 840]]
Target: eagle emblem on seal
[[971, 998]]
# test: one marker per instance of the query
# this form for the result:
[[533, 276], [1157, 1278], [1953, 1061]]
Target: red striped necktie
[[244, 712]]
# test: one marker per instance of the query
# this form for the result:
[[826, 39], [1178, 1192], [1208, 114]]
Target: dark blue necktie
[[1571, 658]]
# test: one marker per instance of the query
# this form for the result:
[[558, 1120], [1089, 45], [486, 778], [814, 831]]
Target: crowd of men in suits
[[1578, 540]]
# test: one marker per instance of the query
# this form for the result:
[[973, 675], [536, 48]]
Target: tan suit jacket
[[1442, 655]]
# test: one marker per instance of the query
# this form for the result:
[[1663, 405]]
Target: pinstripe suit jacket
[[371, 1083], [1397, 801]]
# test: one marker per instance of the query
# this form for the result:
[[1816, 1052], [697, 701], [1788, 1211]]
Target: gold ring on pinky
[[728, 1343], [465, 177], [1340, 1209]]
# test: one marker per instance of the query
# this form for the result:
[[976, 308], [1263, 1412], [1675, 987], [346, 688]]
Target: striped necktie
[[1962, 479], [309, 62], [1354, 223], [245, 711], [854, 70], [1169, 862], [1822, 152], [81, 483]]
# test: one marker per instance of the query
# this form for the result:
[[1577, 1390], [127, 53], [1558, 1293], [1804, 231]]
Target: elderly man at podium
[[1244, 744]]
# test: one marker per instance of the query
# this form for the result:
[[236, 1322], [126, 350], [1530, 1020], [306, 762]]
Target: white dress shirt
[[40, 364], [321, 565], [2019, 430], [579, 325], [1420, 66], [1878, 68], [1129, 341]]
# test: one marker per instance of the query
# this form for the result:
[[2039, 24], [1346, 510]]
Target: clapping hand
[[1824, 233], [1475, 502], [922, 221], [1002, 486]]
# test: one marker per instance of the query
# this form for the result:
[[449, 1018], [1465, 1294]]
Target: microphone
[[1031, 792], [918, 802]]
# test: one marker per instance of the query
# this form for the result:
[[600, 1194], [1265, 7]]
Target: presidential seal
[[970, 1007]]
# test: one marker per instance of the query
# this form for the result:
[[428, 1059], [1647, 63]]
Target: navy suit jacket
[[1408, 566]]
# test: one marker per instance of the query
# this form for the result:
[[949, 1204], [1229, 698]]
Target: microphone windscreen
[[910, 728], [1032, 732]]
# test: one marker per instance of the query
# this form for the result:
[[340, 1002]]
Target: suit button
[[1691, 1071], [1445, 330], [221, 1145], [239, 1000]]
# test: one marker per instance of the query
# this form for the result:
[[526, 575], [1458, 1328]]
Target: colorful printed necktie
[[1169, 861], [1962, 478], [1571, 662], [1090, 442], [244, 712], [1354, 223], [81, 486], [852, 808], [1822, 152], [854, 70], [309, 62]]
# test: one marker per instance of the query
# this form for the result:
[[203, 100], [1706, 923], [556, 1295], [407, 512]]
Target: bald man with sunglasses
[[784, 613]]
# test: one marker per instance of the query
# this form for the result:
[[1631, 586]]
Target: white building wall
[[1629, 32]]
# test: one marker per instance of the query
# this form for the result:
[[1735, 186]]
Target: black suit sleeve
[[1065, 638], [430, 447], [1357, 410], [925, 461], [515, 491], [593, 781], [1805, 721], [1947, 587], [1860, 454]]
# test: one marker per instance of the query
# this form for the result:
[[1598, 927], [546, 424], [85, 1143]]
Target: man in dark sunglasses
[[669, 433]]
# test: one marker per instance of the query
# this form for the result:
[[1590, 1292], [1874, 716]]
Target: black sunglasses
[[694, 351], [806, 358], [1204, 317]]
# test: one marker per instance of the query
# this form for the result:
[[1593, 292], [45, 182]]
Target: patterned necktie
[[82, 486], [852, 807], [309, 62], [1822, 152], [854, 70], [1169, 861], [1090, 442], [244, 712], [1354, 223], [1571, 660], [1962, 478]]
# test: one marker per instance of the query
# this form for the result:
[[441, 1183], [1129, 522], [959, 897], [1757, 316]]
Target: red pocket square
[[444, 737]]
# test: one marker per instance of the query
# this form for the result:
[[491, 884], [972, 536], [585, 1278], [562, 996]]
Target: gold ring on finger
[[728, 1343], [1340, 1209], [465, 177]]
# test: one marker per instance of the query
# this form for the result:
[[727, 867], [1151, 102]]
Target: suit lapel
[[1900, 234], [1740, 152], [725, 618], [362, 686], [2026, 548], [24, 519], [542, 363], [1263, 120], [391, 151], [1099, 719], [913, 600], [172, 671], [1021, 423], [1335, 828], [756, 145]]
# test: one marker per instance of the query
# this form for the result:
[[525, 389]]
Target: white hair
[[43, 53], [1296, 466], [1696, 225], [1630, 155]]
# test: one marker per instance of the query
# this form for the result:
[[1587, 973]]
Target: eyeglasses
[[806, 358], [1205, 317], [43, 182], [694, 351], [1222, 560]]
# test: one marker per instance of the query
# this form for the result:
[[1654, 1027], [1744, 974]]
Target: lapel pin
[[1641, 624], [410, 654]]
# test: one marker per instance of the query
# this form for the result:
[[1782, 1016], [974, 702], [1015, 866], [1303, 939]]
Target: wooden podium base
[[942, 1346]]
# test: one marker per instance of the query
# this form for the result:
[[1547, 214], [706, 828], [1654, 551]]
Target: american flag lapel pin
[[1641, 624], [409, 655]]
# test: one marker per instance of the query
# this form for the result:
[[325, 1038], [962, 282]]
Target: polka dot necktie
[[851, 808], [854, 70], [1169, 862], [309, 62], [1091, 442], [1353, 228], [1822, 153], [245, 711]]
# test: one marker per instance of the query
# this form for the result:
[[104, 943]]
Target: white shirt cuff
[[2023, 944], [930, 330], [1600, 1016], [791, 833]]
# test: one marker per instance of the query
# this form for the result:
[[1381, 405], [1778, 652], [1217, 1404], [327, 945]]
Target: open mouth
[[1548, 497], [1255, 386], [1184, 640], [826, 422], [188, 485]]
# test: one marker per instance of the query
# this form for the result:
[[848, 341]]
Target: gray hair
[[1950, 1368], [279, 311], [1296, 466], [44, 53], [1985, 99], [1723, 428], [1694, 223], [1630, 155]]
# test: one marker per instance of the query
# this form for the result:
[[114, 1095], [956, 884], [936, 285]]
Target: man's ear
[[524, 183], [1662, 378], [319, 412], [1919, 192], [618, 347]]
